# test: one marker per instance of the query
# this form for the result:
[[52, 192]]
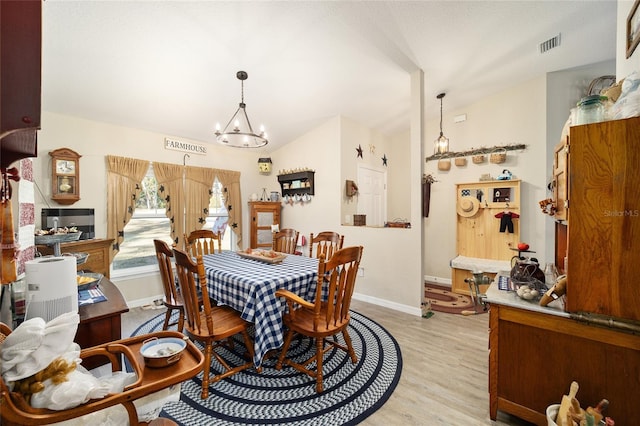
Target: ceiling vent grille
[[552, 43]]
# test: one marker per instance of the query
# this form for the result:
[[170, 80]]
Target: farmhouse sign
[[190, 147]]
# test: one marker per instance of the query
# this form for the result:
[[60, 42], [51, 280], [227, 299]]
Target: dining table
[[249, 286]]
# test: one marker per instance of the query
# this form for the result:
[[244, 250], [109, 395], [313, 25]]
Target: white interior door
[[372, 194]]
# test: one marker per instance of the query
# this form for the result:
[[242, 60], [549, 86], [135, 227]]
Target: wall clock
[[65, 178]]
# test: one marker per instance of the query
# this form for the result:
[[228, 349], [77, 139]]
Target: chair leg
[[167, 317], [319, 358], [181, 320], [347, 339], [248, 344], [208, 349], [285, 348]]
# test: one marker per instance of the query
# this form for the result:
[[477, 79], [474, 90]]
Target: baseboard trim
[[143, 302], [437, 280], [358, 296], [386, 304]]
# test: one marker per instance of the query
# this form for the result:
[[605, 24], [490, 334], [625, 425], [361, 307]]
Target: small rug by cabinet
[[442, 299], [352, 391]]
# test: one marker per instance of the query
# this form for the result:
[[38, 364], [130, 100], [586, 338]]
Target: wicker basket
[[460, 161], [498, 156], [444, 164], [478, 159], [359, 220]]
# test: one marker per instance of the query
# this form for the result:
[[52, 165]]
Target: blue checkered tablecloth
[[249, 286]]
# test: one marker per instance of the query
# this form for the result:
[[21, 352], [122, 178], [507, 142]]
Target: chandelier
[[238, 132], [441, 145]]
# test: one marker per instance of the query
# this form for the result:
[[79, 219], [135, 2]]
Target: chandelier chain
[[441, 115]]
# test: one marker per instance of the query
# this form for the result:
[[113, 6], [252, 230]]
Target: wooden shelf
[[479, 236], [304, 178]]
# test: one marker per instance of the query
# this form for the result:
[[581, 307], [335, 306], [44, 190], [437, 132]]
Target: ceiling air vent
[[552, 43]]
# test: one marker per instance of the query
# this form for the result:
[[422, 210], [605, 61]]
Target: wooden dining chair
[[209, 324], [285, 241], [172, 297], [325, 243], [203, 241], [326, 316]]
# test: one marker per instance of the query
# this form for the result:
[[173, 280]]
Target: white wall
[[399, 202], [317, 150]]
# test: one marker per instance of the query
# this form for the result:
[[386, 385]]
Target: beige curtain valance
[[187, 191]]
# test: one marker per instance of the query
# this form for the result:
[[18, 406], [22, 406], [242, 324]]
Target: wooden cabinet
[[603, 241], [20, 76], [534, 357], [298, 183], [481, 236], [264, 214], [98, 250], [561, 179]]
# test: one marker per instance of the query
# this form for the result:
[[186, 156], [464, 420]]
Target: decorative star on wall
[[384, 160], [372, 148], [359, 149]]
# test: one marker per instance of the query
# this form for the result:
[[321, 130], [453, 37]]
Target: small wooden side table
[[101, 322]]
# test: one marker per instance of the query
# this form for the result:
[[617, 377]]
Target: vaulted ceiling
[[170, 66]]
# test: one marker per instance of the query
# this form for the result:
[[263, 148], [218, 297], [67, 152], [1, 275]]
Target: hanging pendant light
[[441, 145], [238, 132]]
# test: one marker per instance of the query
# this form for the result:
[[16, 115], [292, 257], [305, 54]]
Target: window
[[218, 218], [149, 222]]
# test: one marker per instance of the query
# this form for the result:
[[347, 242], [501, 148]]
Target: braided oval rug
[[352, 392]]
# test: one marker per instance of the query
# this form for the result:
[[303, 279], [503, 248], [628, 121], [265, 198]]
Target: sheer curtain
[[230, 181], [123, 189]]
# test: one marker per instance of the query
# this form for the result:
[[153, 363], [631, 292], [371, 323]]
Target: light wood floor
[[445, 367]]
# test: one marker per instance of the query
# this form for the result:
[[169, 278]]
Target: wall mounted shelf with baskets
[[479, 152]]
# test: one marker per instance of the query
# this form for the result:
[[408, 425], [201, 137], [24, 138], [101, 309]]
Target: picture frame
[[633, 29]]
